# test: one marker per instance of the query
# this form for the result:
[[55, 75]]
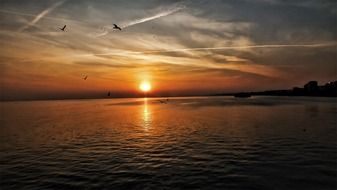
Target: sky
[[191, 47]]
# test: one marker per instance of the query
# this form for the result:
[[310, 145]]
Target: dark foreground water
[[188, 143]]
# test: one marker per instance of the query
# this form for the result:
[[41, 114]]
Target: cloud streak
[[45, 17], [317, 45], [41, 15], [248, 47], [165, 13], [156, 16]]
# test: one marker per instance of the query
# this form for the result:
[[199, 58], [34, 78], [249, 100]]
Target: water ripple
[[189, 143]]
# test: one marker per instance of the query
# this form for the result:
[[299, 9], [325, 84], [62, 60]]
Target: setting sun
[[145, 86]]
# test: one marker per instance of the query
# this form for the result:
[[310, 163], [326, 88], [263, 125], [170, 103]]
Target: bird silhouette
[[162, 101], [108, 93], [64, 27], [85, 78], [116, 27]]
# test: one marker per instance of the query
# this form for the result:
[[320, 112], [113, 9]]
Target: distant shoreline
[[268, 93], [210, 95], [311, 89]]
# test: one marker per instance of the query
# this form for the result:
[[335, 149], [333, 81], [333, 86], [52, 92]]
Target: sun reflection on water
[[146, 115]]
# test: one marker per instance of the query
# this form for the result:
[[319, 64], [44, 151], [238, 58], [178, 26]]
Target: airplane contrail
[[317, 45], [142, 20], [45, 17], [41, 15], [158, 15], [246, 47]]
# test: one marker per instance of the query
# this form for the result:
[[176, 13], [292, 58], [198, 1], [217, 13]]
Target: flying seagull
[[64, 27], [85, 78], [116, 27]]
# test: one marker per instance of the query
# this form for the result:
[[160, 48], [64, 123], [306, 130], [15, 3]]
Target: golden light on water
[[146, 115], [145, 86]]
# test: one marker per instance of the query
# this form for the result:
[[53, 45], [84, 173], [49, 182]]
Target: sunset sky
[[179, 47]]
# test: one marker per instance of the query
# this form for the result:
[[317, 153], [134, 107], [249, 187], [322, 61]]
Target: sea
[[218, 142]]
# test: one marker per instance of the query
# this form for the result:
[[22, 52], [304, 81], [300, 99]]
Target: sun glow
[[145, 86]]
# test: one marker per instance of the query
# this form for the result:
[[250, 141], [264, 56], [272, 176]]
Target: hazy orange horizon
[[181, 48]]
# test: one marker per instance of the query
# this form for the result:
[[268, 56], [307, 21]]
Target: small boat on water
[[242, 95]]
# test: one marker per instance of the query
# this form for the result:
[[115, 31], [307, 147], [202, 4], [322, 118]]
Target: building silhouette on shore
[[309, 89], [313, 89]]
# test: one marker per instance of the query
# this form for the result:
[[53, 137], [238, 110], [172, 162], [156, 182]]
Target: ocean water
[[186, 143]]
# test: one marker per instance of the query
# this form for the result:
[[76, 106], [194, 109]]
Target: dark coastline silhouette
[[310, 89]]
